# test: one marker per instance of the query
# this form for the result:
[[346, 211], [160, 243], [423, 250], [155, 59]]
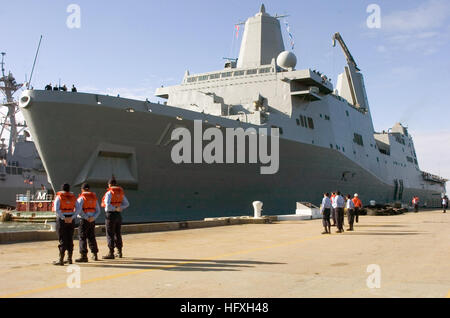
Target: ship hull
[[68, 134], [14, 185]]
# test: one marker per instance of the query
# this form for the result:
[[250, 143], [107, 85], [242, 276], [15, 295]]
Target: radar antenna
[[3, 63], [9, 123]]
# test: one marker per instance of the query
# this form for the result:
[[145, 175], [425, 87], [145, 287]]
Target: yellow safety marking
[[103, 278]]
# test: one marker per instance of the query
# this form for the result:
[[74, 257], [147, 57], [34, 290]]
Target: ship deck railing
[[34, 197], [431, 177]]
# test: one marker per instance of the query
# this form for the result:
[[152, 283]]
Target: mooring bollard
[[257, 205]]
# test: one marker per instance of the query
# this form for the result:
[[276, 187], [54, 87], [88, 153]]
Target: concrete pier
[[35, 236], [278, 259]]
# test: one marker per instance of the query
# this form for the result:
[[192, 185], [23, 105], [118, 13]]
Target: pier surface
[[282, 259]]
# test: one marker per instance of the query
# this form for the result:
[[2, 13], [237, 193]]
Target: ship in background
[[21, 169], [327, 139]]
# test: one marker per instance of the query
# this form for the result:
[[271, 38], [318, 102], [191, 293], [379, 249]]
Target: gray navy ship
[[326, 138], [21, 169]]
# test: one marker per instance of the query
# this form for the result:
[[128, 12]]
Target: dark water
[[22, 227]]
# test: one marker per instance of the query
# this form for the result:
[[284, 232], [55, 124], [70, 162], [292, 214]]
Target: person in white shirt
[[350, 207], [325, 209], [445, 204], [339, 204], [333, 211]]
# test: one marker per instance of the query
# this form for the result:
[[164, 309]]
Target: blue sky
[[133, 47]]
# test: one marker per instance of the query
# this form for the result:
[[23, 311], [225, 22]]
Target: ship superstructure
[[327, 138], [21, 169]]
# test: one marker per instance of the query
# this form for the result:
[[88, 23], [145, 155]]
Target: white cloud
[[427, 35], [144, 89], [430, 51], [423, 29], [410, 72], [381, 49], [430, 15]]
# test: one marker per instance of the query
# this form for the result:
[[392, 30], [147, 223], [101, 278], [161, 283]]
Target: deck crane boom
[[353, 87], [350, 60]]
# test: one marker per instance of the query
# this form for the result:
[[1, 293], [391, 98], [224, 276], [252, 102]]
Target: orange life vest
[[117, 195], [67, 202], [90, 202], [357, 202]]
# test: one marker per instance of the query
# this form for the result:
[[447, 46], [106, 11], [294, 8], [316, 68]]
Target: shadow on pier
[[203, 265]]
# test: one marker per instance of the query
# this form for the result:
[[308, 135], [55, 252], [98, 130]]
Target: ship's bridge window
[[227, 74], [13, 170], [265, 70], [358, 139], [409, 159], [203, 78], [310, 123], [214, 76], [400, 140], [303, 120], [239, 73], [251, 72], [192, 79]]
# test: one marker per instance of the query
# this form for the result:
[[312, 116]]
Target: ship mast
[[8, 86]]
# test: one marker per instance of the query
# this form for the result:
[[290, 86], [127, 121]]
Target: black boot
[[110, 255], [119, 253], [69, 257], [94, 257], [61, 259], [82, 259]]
